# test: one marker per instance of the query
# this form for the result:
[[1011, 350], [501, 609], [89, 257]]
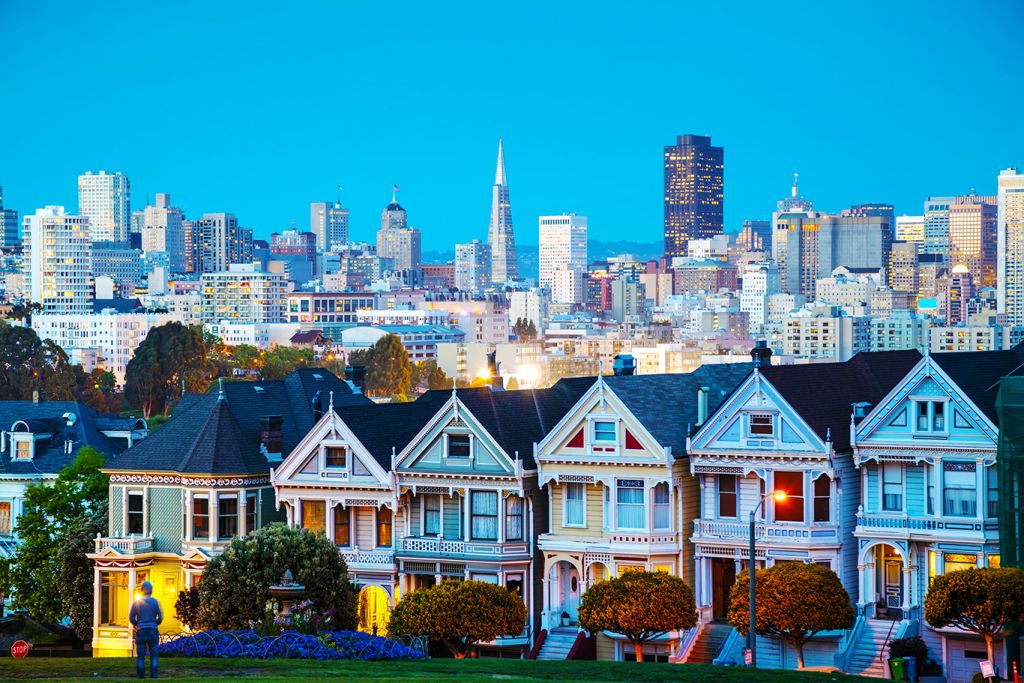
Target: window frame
[[448, 445], [595, 432], [221, 517], [817, 497], [252, 504], [512, 517], [664, 506], [582, 501], [885, 481], [425, 511], [946, 487], [622, 485], [328, 448], [791, 498], [129, 513], [342, 513], [751, 434], [474, 515], [735, 493], [193, 515], [384, 522]]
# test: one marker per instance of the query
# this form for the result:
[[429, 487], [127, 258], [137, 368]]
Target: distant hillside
[[527, 253]]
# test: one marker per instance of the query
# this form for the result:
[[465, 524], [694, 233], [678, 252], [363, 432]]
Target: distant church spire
[[500, 234]]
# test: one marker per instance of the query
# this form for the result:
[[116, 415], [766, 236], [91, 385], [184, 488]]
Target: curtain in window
[[574, 502], [513, 518], [432, 515], [960, 494], [384, 518], [484, 515], [630, 510]]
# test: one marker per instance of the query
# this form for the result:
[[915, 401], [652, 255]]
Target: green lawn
[[432, 671]]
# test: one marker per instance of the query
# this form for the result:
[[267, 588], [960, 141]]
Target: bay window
[[136, 516], [575, 496], [483, 516], [514, 518], [992, 491], [959, 489], [629, 498], [227, 517], [342, 526], [200, 518], [662, 508], [892, 486], [822, 499], [792, 508], [727, 495], [432, 515], [384, 527]]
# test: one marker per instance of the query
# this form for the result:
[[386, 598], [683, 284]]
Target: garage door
[[963, 658]]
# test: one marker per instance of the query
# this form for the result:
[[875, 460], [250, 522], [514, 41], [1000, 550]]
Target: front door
[[893, 585], [723, 576], [571, 593]]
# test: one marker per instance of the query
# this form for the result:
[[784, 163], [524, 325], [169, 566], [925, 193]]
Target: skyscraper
[[10, 236], [936, 225], [163, 230], [58, 261], [501, 235], [563, 245], [959, 290], [329, 222], [755, 236], [972, 237], [219, 241], [910, 229], [396, 240], [693, 192], [104, 198], [472, 266], [1010, 288]]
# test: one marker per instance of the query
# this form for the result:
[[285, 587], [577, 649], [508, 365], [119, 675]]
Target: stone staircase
[[709, 643], [865, 660], [558, 643]]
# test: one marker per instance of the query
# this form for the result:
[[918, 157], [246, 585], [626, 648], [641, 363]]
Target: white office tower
[[760, 282], [910, 229], [58, 261], [1010, 276], [163, 230], [472, 266], [568, 286], [329, 222], [529, 305], [104, 199], [563, 245]]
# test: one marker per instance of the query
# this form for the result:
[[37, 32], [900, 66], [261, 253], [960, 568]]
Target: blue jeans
[[147, 640]]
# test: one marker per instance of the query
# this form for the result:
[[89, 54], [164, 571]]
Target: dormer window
[[459, 445], [336, 457], [23, 449], [761, 425], [605, 432]]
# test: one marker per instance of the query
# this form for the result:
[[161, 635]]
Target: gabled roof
[[206, 435], [823, 393], [47, 417], [666, 404], [977, 373]]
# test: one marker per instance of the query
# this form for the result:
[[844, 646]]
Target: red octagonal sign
[[19, 649]]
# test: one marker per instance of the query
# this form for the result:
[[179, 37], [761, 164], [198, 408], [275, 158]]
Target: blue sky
[[260, 108]]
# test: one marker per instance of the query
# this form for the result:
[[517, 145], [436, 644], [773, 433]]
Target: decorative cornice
[[199, 482]]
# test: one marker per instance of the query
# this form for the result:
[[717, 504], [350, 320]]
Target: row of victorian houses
[[887, 459]]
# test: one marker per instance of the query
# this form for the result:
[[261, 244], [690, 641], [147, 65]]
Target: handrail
[[686, 644], [723, 657], [843, 658], [537, 644], [888, 636]]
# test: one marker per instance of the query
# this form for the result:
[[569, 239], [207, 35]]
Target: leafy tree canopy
[[280, 361], [824, 605], [170, 355], [236, 584], [459, 614], [388, 370], [28, 363], [52, 517], [640, 605], [97, 389], [979, 600]]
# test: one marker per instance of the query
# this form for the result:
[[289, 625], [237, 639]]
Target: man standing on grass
[[146, 615]]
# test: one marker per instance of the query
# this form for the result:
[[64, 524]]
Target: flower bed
[[289, 644]]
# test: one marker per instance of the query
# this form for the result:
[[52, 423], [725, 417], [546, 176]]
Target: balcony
[[127, 545], [970, 529], [381, 558], [463, 549], [778, 534]]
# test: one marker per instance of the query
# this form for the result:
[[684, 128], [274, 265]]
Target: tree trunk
[[990, 647], [799, 654], [638, 648]]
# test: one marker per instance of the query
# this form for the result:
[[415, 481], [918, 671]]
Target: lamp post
[[779, 497]]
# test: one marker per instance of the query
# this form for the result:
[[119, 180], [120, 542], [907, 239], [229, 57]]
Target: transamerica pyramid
[[501, 236]]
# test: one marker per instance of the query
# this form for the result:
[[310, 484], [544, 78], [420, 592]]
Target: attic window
[[458, 446], [22, 449], [336, 457], [761, 424]]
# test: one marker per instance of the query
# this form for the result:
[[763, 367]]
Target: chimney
[[702, 405], [356, 374], [761, 354], [624, 364], [492, 370], [35, 396], [270, 436]]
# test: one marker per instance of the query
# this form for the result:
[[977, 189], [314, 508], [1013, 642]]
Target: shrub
[[459, 614], [909, 647], [640, 605], [187, 608], [289, 644], [236, 584]]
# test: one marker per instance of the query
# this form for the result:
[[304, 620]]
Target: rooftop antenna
[[796, 176], [338, 202], [394, 194], [220, 388]]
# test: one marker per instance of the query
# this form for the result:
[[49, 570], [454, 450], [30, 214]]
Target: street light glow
[[779, 496]]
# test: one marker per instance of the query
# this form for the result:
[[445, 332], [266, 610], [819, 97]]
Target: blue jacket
[[146, 613]]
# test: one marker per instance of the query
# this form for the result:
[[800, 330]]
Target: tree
[[459, 614], [388, 368], [979, 600], [187, 608], [513, 384], [236, 584], [52, 516], [824, 605], [97, 389], [76, 569], [169, 356], [28, 363], [531, 331], [640, 605], [524, 329], [437, 379], [280, 361]]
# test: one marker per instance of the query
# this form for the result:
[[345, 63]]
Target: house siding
[[165, 518], [116, 516]]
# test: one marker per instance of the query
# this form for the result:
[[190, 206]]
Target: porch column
[[906, 586], [96, 584], [648, 509], [862, 583], [332, 514], [466, 517], [979, 482], [242, 500]]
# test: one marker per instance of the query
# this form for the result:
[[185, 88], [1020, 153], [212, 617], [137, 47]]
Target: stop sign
[[19, 649]]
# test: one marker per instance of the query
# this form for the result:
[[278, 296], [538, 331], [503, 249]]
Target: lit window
[[342, 526], [792, 508], [336, 457], [384, 527], [22, 450]]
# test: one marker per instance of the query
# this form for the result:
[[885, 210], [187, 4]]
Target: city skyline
[[436, 138]]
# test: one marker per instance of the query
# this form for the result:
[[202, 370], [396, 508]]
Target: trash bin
[[898, 669], [911, 668]]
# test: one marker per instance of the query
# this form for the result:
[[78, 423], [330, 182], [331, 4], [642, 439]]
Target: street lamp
[[779, 497]]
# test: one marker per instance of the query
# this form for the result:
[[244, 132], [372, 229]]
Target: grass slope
[[432, 671]]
